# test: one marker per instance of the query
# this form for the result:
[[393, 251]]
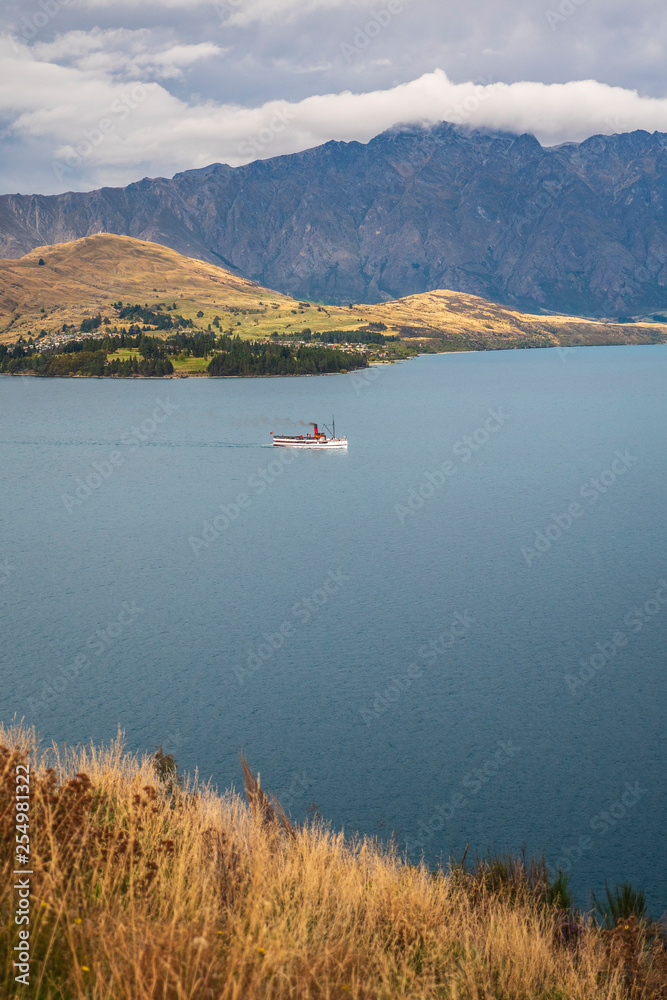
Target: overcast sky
[[104, 92]]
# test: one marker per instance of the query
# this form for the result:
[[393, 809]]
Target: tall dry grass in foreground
[[145, 889]]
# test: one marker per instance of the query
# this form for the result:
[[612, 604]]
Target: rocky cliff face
[[577, 228]]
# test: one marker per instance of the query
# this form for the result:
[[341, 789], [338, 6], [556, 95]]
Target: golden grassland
[[146, 888], [473, 321], [83, 277]]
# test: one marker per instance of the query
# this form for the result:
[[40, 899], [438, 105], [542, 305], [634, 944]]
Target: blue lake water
[[454, 632]]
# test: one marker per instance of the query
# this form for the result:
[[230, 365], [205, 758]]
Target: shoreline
[[371, 364], [167, 378]]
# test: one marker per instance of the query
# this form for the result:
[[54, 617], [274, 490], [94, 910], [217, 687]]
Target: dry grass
[[474, 322], [144, 889], [83, 277]]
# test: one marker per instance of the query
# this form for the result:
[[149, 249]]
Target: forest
[[144, 355], [243, 357]]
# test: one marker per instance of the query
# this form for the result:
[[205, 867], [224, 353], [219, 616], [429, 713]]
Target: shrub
[[621, 903]]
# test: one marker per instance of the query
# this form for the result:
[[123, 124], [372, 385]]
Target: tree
[[90, 324]]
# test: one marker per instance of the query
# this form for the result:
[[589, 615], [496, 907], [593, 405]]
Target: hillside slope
[[95, 269], [85, 277], [578, 228], [145, 885], [458, 318]]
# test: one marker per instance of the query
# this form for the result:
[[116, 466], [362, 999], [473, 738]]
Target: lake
[[452, 633]]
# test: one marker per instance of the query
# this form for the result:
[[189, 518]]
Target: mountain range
[[578, 228]]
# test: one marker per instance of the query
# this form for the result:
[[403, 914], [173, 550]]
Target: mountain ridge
[[577, 228]]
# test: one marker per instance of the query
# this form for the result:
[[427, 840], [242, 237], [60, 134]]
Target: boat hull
[[333, 443]]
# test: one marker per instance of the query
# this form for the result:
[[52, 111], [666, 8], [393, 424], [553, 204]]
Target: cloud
[[106, 123], [72, 46], [243, 13], [121, 52], [240, 12], [553, 112]]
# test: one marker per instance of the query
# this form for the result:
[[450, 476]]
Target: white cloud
[[95, 128], [182, 55], [121, 52], [553, 112], [75, 45]]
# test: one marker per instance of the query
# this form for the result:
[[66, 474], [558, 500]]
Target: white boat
[[317, 439]]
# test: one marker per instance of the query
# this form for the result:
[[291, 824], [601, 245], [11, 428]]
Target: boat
[[318, 439]]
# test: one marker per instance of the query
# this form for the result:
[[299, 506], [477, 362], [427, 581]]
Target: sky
[[104, 92]]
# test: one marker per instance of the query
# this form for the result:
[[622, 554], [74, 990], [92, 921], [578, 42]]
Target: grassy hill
[[468, 321], [143, 886], [82, 278]]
